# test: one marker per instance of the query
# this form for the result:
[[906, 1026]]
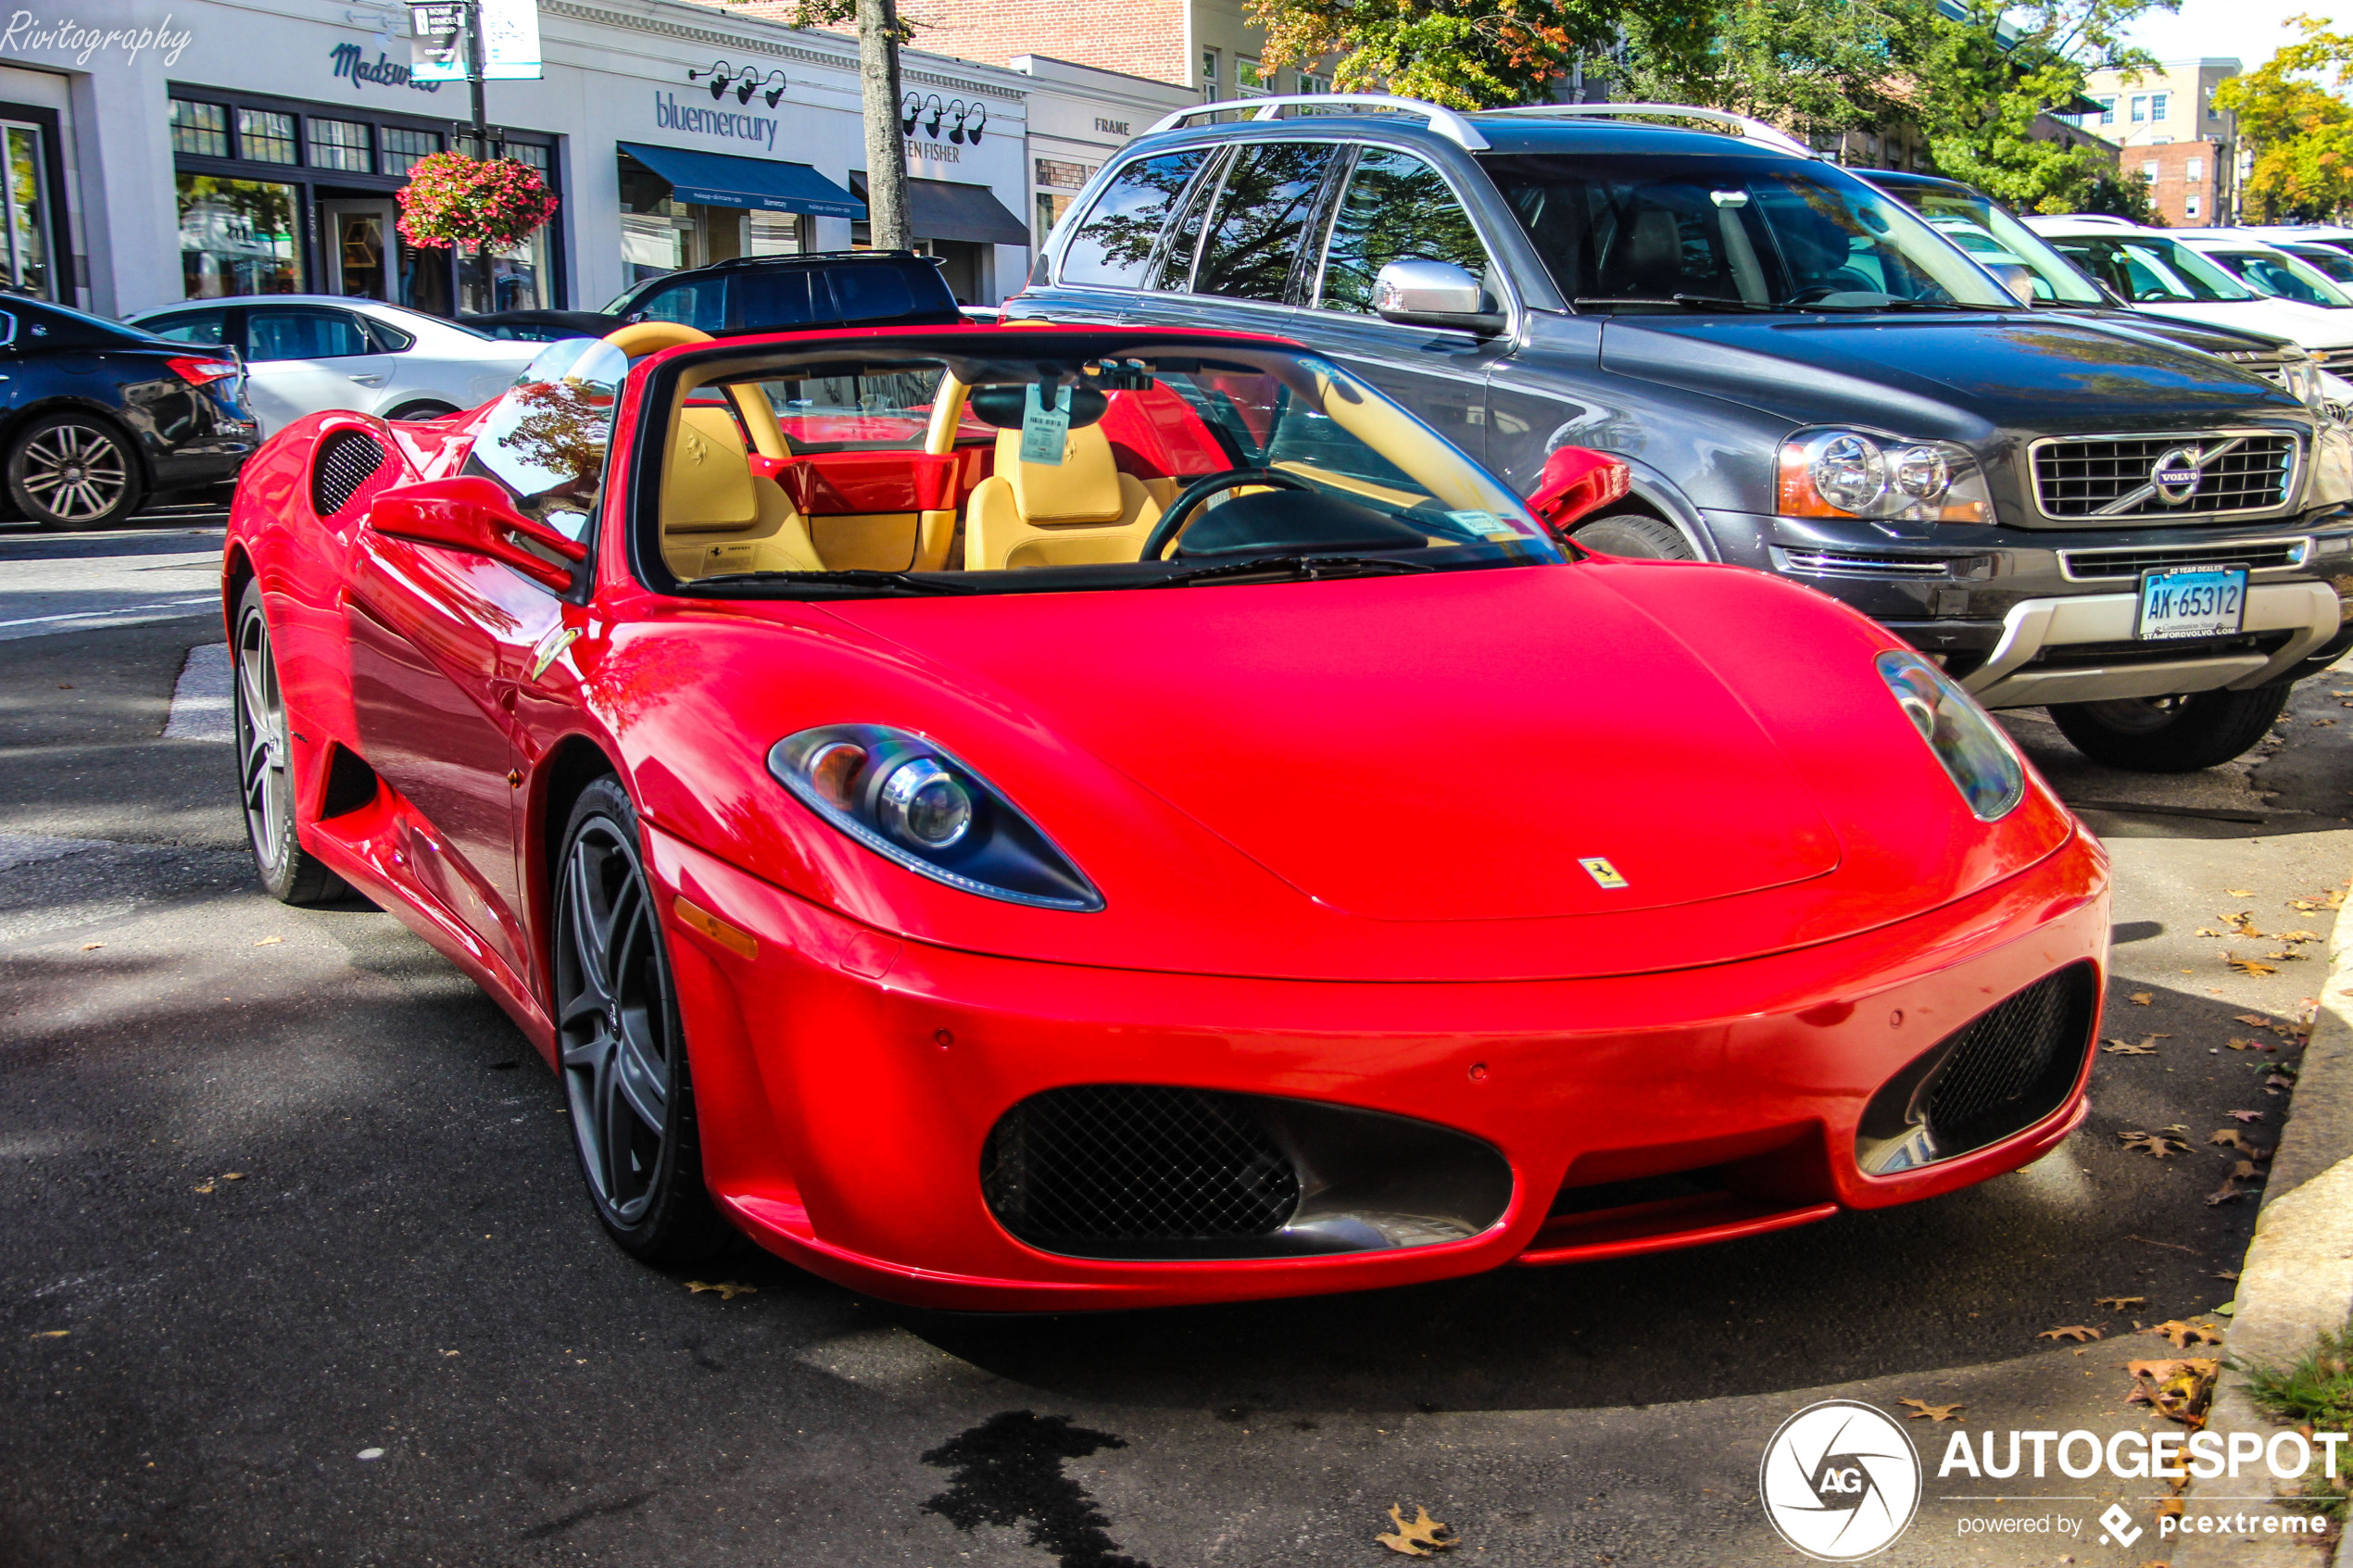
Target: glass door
[[360, 255], [26, 190]]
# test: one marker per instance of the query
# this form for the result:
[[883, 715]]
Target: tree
[[1813, 66], [1468, 53], [880, 32], [2302, 132], [1990, 73]]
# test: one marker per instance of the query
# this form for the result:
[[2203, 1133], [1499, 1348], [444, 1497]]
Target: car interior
[[915, 463]]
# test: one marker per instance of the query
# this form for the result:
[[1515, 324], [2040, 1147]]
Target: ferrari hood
[[1482, 745]]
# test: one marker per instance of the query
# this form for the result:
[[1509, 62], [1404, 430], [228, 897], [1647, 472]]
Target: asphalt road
[[297, 1270]]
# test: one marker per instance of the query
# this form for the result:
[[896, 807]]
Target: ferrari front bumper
[[848, 1081]]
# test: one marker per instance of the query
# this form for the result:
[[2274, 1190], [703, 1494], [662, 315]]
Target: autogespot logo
[[1839, 1481]]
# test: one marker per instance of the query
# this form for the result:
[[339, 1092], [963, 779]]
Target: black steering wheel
[[1188, 500]]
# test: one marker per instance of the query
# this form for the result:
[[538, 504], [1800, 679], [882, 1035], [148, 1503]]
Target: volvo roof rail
[[1446, 121], [1755, 130]]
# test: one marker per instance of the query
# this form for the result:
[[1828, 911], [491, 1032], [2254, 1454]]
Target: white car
[[2163, 274], [307, 352], [2266, 268]]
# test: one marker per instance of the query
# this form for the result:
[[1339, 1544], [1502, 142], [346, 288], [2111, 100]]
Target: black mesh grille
[[2079, 478], [346, 460], [2085, 564], [2015, 1064], [1130, 1162]]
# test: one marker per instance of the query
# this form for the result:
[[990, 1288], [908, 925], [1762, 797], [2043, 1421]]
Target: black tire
[[621, 1053], [2170, 734], [426, 408], [73, 470], [289, 872], [1636, 537]]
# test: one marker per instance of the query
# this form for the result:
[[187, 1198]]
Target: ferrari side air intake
[[2003, 1073], [346, 461], [1139, 1171]]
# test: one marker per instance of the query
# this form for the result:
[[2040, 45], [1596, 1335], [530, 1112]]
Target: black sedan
[[831, 288], [94, 415]]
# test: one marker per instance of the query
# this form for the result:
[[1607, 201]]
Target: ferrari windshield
[[1644, 232], [1014, 466]]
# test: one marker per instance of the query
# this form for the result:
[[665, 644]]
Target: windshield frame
[[2039, 255], [659, 390], [2171, 253], [2334, 294]]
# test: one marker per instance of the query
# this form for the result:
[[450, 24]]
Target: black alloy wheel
[[622, 1053], [425, 408], [74, 471], [2170, 734], [289, 873]]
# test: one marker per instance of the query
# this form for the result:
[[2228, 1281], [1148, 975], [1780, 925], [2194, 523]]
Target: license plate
[[2208, 602]]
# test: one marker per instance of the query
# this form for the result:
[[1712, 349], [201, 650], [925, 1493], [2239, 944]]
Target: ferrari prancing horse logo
[[1601, 870]]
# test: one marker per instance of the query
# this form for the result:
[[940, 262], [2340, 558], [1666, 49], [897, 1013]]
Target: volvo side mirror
[[1434, 293], [2015, 276]]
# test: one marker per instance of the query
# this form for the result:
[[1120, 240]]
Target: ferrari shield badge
[[1601, 870]]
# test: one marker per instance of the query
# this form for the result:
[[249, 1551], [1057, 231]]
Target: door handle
[[375, 379]]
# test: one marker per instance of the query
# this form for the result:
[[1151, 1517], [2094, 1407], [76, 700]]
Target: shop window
[[1061, 175], [772, 233], [27, 261], [200, 128], [265, 137], [237, 237], [339, 144], [403, 148], [1050, 207]]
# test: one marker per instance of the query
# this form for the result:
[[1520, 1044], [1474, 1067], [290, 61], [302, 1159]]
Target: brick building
[[2189, 181]]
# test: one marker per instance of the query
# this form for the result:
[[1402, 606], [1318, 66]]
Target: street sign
[[510, 40], [437, 41]]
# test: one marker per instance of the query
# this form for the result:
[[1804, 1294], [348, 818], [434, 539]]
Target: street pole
[[887, 223], [474, 64]]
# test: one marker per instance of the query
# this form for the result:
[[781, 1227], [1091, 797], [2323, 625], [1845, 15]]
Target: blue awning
[[763, 184]]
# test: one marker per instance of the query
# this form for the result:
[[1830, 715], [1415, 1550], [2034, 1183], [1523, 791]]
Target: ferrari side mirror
[[474, 515]]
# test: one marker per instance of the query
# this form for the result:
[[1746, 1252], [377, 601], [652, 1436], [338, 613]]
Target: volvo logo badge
[[2176, 475]]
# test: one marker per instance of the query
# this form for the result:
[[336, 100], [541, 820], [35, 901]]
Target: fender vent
[[346, 460], [2004, 1071]]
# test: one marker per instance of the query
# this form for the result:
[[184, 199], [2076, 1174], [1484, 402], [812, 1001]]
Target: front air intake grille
[[1857, 563], [2113, 476], [2014, 1065], [1132, 1162], [346, 460], [2256, 555]]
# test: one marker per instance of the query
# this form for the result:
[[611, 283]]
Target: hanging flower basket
[[451, 199]]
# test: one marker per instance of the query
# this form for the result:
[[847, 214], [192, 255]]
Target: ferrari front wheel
[[622, 1053], [289, 873]]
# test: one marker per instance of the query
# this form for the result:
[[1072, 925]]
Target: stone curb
[[2298, 1279]]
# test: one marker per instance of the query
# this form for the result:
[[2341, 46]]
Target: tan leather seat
[[1081, 512], [719, 516]]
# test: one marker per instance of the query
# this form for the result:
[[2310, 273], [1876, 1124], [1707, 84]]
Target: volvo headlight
[[1867, 474], [1975, 754], [2331, 464], [911, 803], [2300, 379]]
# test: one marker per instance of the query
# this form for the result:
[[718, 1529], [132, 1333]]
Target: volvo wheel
[[1636, 536], [74, 471], [2170, 734], [623, 1056], [288, 873]]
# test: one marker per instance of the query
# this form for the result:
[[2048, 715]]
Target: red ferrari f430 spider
[[1033, 817]]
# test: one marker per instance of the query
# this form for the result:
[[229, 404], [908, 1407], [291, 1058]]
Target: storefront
[[257, 147]]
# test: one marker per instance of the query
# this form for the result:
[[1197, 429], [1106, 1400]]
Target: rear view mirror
[[2015, 276], [472, 515], [1434, 293]]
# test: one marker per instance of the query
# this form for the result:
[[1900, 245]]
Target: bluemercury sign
[[352, 64], [672, 115]]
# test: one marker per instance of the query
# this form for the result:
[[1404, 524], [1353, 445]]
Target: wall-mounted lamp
[[720, 74], [774, 82], [911, 108], [971, 119]]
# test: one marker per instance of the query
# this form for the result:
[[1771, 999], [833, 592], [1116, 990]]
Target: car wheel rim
[[75, 472], [261, 741], [613, 1014]]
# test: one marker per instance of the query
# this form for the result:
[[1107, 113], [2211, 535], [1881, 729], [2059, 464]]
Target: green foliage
[[2302, 132], [1815, 66], [1468, 54], [2315, 1390], [1992, 71]]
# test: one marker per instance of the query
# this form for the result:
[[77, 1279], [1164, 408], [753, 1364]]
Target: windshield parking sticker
[[1045, 431]]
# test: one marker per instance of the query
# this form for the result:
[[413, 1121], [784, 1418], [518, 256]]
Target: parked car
[[760, 294], [95, 416], [2168, 277], [2046, 280], [306, 353], [2266, 269], [2328, 236], [1802, 374], [1071, 727], [2336, 264]]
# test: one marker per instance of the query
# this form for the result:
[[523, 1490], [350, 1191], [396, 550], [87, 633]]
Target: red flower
[[452, 200]]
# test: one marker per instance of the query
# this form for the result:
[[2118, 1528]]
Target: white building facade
[[217, 148]]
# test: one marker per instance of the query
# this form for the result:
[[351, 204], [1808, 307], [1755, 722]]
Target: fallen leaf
[[2243, 923], [2142, 999], [2076, 1331], [2118, 1047], [2250, 1044], [269, 942], [1424, 1537], [2281, 955], [2231, 1137], [2207, 931], [1923, 1411], [2298, 936], [92, 947], [2333, 900], [2180, 1389], [2245, 1170], [2256, 1018], [2227, 1193], [233, 1175], [2249, 966], [2231, 1274], [206, 1187], [728, 1290], [2238, 893], [2244, 1115], [2228, 1309], [449, 1352], [2156, 1144], [2279, 1081], [2119, 1303], [2184, 1334], [52, 1333]]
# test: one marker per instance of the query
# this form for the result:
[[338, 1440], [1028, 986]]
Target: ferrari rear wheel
[[2170, 734], [622, 1053], [1636, 536], [289, 873], [425, 409], [74, 471]]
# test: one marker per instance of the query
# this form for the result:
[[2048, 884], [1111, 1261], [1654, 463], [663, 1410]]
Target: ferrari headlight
[[1975, 754], [911, 802], [1869, 474]]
